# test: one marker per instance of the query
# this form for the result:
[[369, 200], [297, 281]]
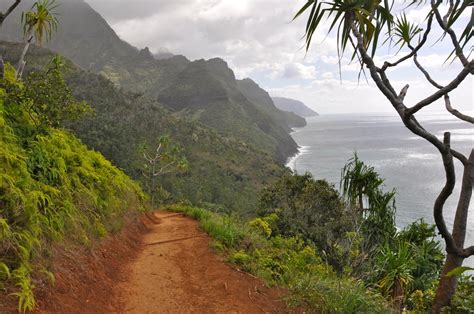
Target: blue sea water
[[408, 163]]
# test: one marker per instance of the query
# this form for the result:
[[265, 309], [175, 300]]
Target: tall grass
[[51, 186]]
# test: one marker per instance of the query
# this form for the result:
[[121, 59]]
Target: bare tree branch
[[403, 92], [455, 112], [162, 169], [415, 49], [408, 119], [445, 90], [3, 16], [451, 33], [427, 75]]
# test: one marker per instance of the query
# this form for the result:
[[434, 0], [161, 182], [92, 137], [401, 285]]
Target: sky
[[259, 40]]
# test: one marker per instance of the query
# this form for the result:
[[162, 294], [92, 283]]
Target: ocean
[[408, 163]]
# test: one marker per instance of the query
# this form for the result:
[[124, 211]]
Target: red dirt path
[[177, 272], [162, 264]]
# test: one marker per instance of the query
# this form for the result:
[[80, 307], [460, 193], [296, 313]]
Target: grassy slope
[[51, 187]]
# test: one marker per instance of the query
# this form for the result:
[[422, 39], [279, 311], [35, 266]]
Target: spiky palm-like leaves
[[359, 181], [372, 18], [39, 23]]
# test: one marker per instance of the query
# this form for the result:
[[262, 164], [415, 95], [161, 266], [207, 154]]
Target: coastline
[[291, 161]]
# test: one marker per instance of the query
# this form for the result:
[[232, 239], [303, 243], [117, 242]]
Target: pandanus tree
[[39, 23], [362, 26], [358, 182]]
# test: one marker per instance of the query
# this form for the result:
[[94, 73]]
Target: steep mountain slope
[[85, 37], [264, 102], [222, 170], [204, 90], [295, 106], [208, 91]]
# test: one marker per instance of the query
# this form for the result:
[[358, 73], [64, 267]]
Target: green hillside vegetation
[[206, 91], [309, 240], [264, 102], [209, 92], [51, 186], [222, 170]]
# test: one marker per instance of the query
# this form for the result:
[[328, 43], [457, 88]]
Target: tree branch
[[408, 119], [455, 112], [444, 195], [3, 16], [443, 91], [427, 75], [161, 171], [415, 49], [403, 92], [462, 210], [451, 33], [375, 72]]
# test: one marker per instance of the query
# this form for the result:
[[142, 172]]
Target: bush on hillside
[[50, 185]]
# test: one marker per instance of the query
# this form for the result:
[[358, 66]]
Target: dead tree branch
[[455, 112]]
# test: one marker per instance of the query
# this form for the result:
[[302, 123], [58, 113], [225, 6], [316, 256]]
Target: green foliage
[[394, 267], [40, 21], [263, 225], [359, 181], [463, 299], [287, 262], [222, 169], [51, 101], [361, 187], [325, 294], [310, 209], [370, 18], [50, 184]]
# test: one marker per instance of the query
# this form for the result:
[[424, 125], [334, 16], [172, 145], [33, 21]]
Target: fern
[[50, 183]]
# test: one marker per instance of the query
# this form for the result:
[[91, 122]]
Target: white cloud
[[258, 40]]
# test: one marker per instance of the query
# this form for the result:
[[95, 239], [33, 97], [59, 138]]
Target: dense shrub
[[311, 209]]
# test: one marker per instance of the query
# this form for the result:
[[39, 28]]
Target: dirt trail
[[177, 272]]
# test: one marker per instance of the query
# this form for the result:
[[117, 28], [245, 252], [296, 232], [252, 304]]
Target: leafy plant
[[51, 187], [39, 23], [361, 28]]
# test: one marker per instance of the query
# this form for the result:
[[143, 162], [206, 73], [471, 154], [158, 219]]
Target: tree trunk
[[153, 183], [397, 295], [447, 285], [21, 62]]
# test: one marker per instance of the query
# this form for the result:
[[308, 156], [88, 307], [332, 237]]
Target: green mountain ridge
[[222, 170], [202, 90]]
